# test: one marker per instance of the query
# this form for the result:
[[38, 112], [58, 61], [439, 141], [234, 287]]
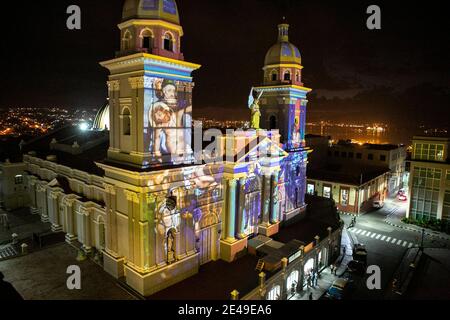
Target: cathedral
[[133, 188]]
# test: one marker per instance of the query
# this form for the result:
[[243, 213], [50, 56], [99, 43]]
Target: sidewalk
[[326, 279], [395, 220]]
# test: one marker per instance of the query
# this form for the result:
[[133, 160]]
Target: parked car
[[360, 253], [378, 204], [357, 267], [338, 289]]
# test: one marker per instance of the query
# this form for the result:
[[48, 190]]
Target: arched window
[[126, 40], [168, 42], [274, 294], [126, 122], [272, 122], [147, 40], [297, 76], [274, 76], [287, 76]]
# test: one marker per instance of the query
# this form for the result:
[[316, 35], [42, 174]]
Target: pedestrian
[[317, 279], [311, 296], [309, 281], [331, 268], [335, 270]]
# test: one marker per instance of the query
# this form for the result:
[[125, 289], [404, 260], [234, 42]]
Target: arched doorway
[[274, 293], [322, 259], [309, 267], [291, 283], [208, 238]]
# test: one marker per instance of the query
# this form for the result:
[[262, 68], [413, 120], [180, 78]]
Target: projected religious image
[[168, 107], [296, 139]]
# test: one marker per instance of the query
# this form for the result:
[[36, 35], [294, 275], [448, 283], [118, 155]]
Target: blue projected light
[[150, 4], [297, 53], [286, 50], [169, 7]]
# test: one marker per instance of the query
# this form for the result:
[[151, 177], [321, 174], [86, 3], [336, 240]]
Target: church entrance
[[208, 243], [208, 238]]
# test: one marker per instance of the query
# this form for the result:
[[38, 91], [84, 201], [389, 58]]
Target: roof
[[151, 9], [370, 146], [346, 174], [283, 52], [93, 146]]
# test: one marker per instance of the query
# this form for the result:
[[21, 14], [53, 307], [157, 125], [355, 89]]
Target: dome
[[283, 51], [151, 9], [101, 121]]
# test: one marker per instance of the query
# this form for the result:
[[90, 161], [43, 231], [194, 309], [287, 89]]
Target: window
[[383, 158], [370, 156], [18, 179], [126, 41], [336, 153], [425, 192], [287, 76], [272, 122], [446, 208], [126, 122], [350, 155], [274, 76], [297, 76], [327, 192], [147, 40], [344, 154], [359, 155], [426, 151], [168, 42], [310, 188]]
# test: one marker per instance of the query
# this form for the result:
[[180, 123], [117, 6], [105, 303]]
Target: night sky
[[399, 74]]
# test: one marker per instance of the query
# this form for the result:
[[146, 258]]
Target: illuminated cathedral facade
[[154, 212]]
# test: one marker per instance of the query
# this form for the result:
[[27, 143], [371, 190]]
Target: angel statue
[[253, 105]]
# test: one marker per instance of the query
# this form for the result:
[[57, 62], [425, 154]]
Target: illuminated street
[[385, 244]]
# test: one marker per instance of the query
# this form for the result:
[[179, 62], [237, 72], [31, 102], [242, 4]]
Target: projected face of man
[[169, 92]]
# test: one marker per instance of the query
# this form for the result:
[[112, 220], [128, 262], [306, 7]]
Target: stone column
[[266, 200], [111, 220], [231, 208], [151, 242], [32, 186], [275, 206], [301, 277], [241, 210], [70, 235], [54, 214], [132, 198], [85, 215], [284, 289]]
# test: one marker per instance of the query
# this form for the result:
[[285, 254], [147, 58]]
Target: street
[[386, 245]]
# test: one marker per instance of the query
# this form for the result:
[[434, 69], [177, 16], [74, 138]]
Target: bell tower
[[150, 88], [283, 104]]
